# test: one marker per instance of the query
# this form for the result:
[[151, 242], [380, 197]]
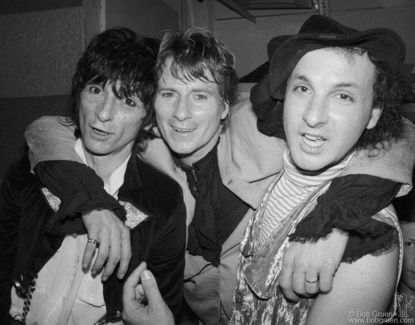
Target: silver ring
[[92, 241], [311, 281]]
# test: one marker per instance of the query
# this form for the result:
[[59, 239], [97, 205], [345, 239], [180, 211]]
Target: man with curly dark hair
[[340, 92], [224, 165]]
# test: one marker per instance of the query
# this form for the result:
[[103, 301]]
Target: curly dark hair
[[389, 92], [195, 51], [126, 61]]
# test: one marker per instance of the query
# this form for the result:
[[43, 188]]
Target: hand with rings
[[109, 238], [309, 268]]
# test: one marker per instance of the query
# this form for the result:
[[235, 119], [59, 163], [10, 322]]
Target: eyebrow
[[339, 85], [195, 90]]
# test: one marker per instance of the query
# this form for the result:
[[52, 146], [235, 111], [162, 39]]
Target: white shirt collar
[[116, 179]]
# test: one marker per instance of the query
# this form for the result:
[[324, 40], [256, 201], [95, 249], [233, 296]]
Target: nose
[[105, 109], [182, 111], [316, 113]]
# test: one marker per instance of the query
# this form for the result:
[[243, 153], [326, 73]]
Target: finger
[[89, 252], [125, 253], [326, 280], [311, 286], [139, 290], [114, 254], [298, 282], [129, 292], [151, 289], [102, 253], [286, 283]]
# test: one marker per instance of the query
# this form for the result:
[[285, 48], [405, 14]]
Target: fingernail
[[85, 265], [146, 275], [104, 278]]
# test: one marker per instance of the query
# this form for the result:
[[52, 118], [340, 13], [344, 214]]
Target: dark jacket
[[27, 242]]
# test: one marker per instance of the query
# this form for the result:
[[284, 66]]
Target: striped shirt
[[293, 187]]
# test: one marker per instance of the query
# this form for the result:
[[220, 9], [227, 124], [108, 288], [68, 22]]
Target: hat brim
[[382, 43]]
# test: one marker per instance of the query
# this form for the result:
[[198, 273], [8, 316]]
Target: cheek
[[161, 114]]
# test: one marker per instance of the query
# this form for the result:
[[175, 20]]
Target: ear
[[374, 117], [225, 111]]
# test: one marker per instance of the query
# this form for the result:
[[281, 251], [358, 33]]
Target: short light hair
[[195, 51]]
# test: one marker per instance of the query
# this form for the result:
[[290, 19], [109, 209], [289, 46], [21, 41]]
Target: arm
[[53, 157], [166, 259], [51, 138], [316, 251], [366, 285]]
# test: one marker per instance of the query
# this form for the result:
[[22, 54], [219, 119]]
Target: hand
[[303, 264], [114, 243], [156, 312]]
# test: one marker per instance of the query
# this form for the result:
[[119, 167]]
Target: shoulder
[[164, 193], [18, 181]]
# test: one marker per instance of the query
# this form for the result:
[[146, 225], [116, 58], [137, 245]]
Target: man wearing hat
[[246, 163], [339, 91]]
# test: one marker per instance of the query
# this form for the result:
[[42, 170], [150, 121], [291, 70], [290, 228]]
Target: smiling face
[[108, 125], [408, 267], [327, 106], [189, 114]]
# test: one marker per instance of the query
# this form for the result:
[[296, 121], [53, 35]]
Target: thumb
[[129, 292], [151, 289]]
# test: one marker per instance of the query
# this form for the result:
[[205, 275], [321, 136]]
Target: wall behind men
[[40, 44]]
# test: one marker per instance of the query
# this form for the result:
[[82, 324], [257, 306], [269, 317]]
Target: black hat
[[284, 52]]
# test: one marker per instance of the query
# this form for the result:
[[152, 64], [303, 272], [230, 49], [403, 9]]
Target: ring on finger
[[312, 281], [92, 241]]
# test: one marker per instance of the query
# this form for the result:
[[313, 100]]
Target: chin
[[308, 165]]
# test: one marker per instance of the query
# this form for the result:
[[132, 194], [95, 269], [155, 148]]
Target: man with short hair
[[215, 151], [42, 250]]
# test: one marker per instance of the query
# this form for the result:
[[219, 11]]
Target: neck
[[105, 165]]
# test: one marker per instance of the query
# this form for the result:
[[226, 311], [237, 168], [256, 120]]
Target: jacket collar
[[132, 180]]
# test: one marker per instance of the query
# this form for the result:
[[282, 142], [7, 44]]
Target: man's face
[[109, 125], [189, 114], [328, 105], [408, 267]]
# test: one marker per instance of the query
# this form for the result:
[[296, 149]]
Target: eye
[[95, 90], [167, 94], [130, 102], [301, 89], [345, 97], [409, 244], [201, 97]]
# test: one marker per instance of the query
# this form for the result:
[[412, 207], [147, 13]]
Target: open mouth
[[99, 131], [181, 130], [313, 140]]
